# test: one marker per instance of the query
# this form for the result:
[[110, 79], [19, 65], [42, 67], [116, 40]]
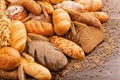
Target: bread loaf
[[34, 69], [9, 58], [18, 36], [61, 21]]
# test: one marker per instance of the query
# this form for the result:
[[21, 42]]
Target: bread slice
[[87, 37]]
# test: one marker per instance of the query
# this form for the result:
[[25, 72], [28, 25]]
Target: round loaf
[[9, 58]]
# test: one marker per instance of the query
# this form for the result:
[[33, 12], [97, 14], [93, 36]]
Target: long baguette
[[34, 69]]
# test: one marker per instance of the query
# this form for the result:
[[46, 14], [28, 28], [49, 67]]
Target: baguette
[[34, 69], [103, 17], [84, 18], [68, 47]]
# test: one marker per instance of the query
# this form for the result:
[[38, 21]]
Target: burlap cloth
[[104, 61]]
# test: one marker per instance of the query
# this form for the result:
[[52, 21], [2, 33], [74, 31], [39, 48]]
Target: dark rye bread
[[87, 37], [47, 54]]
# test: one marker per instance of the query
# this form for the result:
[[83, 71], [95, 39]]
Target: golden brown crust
[[9, 58], [103, 17], [37, 27], [35, 70], [18, 36], [61, 21], [68, 47], [55, 1], [32, 6], [48, 7]]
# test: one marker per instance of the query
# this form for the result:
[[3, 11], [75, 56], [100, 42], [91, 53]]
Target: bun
[[16, 12], [9, 58]]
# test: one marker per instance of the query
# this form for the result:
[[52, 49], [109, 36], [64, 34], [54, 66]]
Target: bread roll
[[32, 6], [48, 7], [37, 27], [61, 21], [16, 12], [103, 17], [9, 58], [18, 36], [91, 5]]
